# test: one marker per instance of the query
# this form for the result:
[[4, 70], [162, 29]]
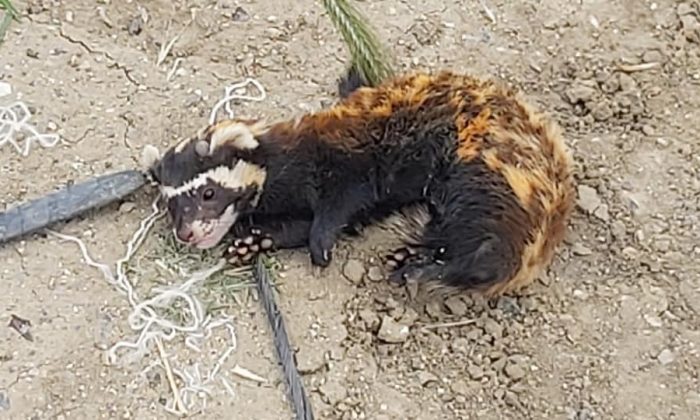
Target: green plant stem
[[367, 53]]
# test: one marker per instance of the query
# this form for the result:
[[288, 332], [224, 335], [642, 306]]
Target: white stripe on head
[[238, 135], [243, 174]]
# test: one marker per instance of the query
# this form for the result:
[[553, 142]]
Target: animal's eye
[[208, 194]]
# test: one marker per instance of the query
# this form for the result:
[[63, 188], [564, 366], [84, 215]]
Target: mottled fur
[[489, 176]]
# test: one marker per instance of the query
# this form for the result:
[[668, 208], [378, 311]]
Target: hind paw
[[401, 263], [412, 265], [244, 249]]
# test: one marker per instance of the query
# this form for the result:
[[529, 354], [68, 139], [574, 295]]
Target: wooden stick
[[179, 406]]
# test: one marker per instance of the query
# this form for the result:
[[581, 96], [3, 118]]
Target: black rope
[[295, 386]]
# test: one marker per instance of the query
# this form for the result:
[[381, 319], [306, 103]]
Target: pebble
[[434, 309], [4, 400], [240, 15], [627, 83], [375, 274], [588, 199], [580, 93], [426, 377], [370, 318], [580, 249], [392, 332], [127, 207], [135, 26], [666, 357], [310, 359], [456, 306], [493, 328], [601, 111], [5, 89], [618, 229], [460, 387], [515, 371], [460, 345], [602, 213], [475, 372], [354, 270], [333, 391]]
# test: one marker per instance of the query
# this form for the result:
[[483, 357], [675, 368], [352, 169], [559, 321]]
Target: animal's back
[[516, 156]]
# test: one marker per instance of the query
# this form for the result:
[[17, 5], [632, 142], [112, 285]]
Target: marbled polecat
[[488, 180]]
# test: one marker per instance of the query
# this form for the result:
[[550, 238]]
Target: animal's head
[[208, 180]]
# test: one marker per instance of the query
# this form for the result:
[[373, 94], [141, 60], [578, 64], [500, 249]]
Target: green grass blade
[[7, 5], [367, 52]]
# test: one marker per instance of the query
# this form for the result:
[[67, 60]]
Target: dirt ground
[[610, 332]]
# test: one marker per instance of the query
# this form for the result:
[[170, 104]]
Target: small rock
[[240, 15], [370, 318], [456, 306], [375, 274], [627, 83], [127, 207], [601, 111], [618, 229], [602, 212], [653, 320], [354, 270], [580, 294], [392, 332], [426, 377], [409, 316], [515, 371], [666, 357], [499, 364], [4, 400], [460, 387], [434, 309], [580, 93], [333, 391], [31, 53], [310, 359], [580, 249], [460, 345], [653, 56], [135, 26], [475, 372], [493, 328], [684, 9], [5, 89], [588, 199]]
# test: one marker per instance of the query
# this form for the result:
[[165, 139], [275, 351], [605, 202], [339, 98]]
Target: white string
[[230, 95], [150, 325], [14, 119], [144, 318]]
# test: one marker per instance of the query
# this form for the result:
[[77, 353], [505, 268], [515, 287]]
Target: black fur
[[363, 159]]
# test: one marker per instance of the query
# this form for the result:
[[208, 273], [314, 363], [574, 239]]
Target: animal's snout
[[184, 234]]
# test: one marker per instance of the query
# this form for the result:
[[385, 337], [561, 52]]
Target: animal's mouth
[[208, 234], [210, 240]]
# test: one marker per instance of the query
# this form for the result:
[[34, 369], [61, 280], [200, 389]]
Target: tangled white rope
[[230, 95], [14, 121], [152, 327]]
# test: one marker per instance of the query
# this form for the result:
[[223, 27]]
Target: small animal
[[482, 181]]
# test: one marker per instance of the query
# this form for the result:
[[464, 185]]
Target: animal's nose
[[185, 234]]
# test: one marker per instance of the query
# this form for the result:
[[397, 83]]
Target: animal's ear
[[149, 157], [201, 148], [232, 134]]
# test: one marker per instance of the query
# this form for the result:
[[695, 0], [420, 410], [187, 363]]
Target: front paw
[[244, 249], [321, 249]]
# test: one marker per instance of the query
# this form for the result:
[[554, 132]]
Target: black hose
[[295, 386]]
